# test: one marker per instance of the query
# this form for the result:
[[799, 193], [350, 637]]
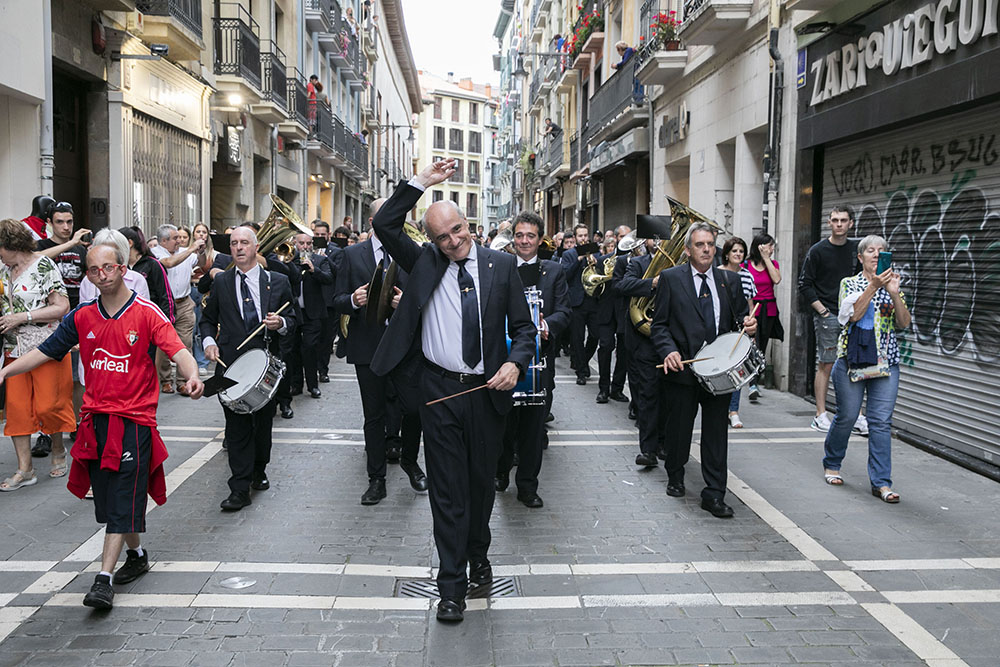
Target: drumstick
[[742, 332], [260, 328], [220, 361], [691, 361], [461, 393]]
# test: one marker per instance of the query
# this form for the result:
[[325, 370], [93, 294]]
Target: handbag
[[863, 359], [29, 336]]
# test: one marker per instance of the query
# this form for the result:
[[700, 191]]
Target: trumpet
[[595, 277]]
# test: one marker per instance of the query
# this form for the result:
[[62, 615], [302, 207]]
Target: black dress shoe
[[418, 480], [324, 378], [451, 611], [375, 492], [675, 489], [581, 380], [235, 502], [480, 573], [287, 412], [260, 483], [644, 459], [501, 482], [530, 499], [392, 454], [602, 397], [551, 418], [296, 391], [718, 508], [632, 413], [619, 396], [315, 392]]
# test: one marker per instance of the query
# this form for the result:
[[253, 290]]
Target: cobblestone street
[[610, 572]]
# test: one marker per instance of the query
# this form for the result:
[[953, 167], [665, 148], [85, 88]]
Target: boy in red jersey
[[118, 450]]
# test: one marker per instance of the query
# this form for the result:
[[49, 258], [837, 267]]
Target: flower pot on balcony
[[672, 45]]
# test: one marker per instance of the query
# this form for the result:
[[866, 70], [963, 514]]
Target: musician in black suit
[[241, 299], [358, 264], [648, 384], [524, 432], [583, 322], [694, 304], [459, 298], [316, 280], [331, 326], [610, 335]]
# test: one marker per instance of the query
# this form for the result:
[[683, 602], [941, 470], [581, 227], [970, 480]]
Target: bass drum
[[257, 374]]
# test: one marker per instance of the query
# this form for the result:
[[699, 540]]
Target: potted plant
[[586, 25], [665, 26]]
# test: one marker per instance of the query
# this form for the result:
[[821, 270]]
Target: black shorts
[[120, 497]]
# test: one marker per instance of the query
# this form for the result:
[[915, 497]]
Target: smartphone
[[86, 238], [884, 262]]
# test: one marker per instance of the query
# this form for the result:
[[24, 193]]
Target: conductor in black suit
[[358, 264], [241, 299], [459, 300], [525, 429], [696, 302], [316, 273]]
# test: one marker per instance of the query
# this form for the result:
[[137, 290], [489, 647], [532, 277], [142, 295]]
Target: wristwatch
[[29, 315]]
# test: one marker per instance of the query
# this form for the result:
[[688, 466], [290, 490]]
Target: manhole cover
[[502, 587]]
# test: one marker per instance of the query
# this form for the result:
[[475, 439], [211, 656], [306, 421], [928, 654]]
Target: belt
[[464, 378]]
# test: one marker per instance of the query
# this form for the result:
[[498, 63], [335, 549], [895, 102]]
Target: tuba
[[277, 231], [667, 253], [503, 241]]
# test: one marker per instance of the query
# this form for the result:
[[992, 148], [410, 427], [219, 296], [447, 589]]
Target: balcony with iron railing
[[176, 23], [322, 139], [617, 106], [273, 105], [710, 22], [299, 122], [555, 156], [657, 62], [574, 153], [237, 49], [318, 14]]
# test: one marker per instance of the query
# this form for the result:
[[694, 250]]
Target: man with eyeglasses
[[119, 451]]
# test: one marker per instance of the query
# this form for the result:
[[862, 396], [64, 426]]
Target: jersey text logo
[[110, 362]]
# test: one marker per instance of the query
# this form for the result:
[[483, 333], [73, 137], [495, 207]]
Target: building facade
[[459, 123]]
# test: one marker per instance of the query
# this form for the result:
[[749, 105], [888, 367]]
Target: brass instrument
[[630, 242], [594, 279], [547, 248], [275, 234], [667, 253], [503, 241], [380, 287]]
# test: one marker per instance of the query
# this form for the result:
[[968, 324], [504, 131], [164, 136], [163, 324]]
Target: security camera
[[160, 50]]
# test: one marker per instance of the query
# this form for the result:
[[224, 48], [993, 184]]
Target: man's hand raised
[[436, 172]]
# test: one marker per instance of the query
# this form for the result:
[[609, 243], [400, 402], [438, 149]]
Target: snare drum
[[727, 370], [258, 374]]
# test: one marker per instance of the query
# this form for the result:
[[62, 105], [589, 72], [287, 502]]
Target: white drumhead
[[722, 355], [247, 370]]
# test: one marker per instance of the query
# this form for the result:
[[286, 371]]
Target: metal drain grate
[[502, 587]]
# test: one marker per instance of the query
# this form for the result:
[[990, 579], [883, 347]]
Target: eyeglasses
[[107, 269], [62, 207]]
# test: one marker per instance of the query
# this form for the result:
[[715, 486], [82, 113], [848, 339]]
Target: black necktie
[[471, 350], [250, 319], [707, 309]]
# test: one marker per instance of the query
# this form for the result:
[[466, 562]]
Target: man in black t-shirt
[[66, 249], [825, 265]]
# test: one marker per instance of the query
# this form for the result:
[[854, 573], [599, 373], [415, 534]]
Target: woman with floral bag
[[34, 300], [872, 309]]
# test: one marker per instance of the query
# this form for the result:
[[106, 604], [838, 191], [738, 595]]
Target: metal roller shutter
[[933, 191]]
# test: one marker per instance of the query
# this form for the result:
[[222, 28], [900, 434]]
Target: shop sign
[[232, 149], [928, 33], [674, 128]]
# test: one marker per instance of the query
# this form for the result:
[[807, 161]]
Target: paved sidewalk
[[610, 572]]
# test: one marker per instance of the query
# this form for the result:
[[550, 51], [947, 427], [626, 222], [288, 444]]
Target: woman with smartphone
[[766, 276], [872, 310]]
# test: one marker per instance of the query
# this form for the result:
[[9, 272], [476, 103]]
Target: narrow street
[[611, 571]]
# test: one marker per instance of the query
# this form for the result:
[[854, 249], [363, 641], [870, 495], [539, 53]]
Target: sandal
[[19, 479], [834, 479], [59, 467], [734, 420], [886, 494]]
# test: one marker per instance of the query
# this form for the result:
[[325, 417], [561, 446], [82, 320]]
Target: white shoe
[[734, 420], [860, 426], [204, 372], [821, 423]]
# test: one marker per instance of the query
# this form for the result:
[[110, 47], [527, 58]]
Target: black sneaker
[[101, 595], [43, 446], [135, 566]]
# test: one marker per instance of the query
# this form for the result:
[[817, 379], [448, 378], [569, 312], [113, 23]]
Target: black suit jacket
[[678, 325], [502, 303], [313, 286], [631, 283], [607, 300], [356, 269], [222, 317], [555, 298], [573, 270]]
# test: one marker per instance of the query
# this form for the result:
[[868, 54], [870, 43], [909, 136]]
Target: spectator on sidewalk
[[827, 263], [200, 231], [872, 309], [733, 253], [766, 276]]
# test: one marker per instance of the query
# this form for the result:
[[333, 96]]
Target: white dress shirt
[[179, 276], [442, 320], [253, 285], [711, 288]]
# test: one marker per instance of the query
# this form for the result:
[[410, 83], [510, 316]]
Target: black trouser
[[611, 340], [583, 323], [685, 399], [248, 442], [462, 442], [374, 399], [328, 332], [649, 391], [305, 353], [524, 434]]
